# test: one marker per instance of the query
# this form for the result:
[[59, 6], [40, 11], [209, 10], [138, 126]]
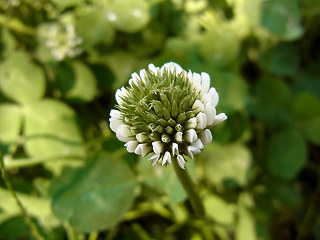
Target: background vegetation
[[60, 64]]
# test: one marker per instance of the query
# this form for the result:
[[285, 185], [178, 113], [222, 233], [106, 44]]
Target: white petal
[[198, 144], [115, 120], [192, 151], [166, 158], [133, 81], [131, 146], [135, 76], [123, 133], [157, 147], [181, 161], [115, 113], [191, 123], [115, 124], [118, 98], [178, 137], [172, 66], [205, 82], [141, 137], [219, 118], [152, 68], [189, 74], [196, 81], [142, 149], [201, 120], [120, 93], [214, 96], [142, 74], [210, 112], [206, 98], [154, 158], [191, 135], [175, 149], [196, 77], [206, 137], [198, 106]]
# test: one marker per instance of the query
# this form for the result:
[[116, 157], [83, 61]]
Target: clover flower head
[[61, 41], [166, 111]]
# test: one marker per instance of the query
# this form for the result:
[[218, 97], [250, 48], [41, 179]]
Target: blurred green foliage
[[60, 64]]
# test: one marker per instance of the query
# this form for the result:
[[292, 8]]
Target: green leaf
[[164, 179], [20, 79], [179, 50], [220, 46], [271, 102], [305, 106], [10, 126], [10, 122], [287, 153], [282, 18], [308, 80], [236, 129], [227, 165], [306, 109], [9, 42], [62, 4], [129, 16], [96, 196], [104, 76], [252, 10], [232, 89], [14, 228], [102, 32], [77, 82], [121, 64], [51, 129], [310, 3], [35, 206], [282, 60], [285, 193], [218, 210]]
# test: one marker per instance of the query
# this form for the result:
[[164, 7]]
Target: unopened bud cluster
[[166, 111]]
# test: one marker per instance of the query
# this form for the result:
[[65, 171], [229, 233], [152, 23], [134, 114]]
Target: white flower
[[166, 111], [61, 40]]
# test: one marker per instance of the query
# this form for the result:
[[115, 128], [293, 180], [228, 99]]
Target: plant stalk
[[32, 226], [190, 188], [310, 214]]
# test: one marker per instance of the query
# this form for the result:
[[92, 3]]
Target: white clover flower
[[61, 40], [166, 111]]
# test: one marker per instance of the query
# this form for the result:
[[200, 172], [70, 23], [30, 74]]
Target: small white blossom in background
[[167, 112], [61, 41]]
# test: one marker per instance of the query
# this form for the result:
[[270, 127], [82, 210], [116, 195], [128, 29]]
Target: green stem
[[190, 188], [71, 232], [30, 162], [143, 235], [310, 214], [32, 226], [93, 235], [16, 25], [112, 233]]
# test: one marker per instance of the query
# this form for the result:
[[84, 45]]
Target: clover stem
[[28, 220], [310, 215], [190, 188]]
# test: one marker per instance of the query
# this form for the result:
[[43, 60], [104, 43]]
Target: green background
[[61, 62]]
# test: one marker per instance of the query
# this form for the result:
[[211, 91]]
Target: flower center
[[158, 107]]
